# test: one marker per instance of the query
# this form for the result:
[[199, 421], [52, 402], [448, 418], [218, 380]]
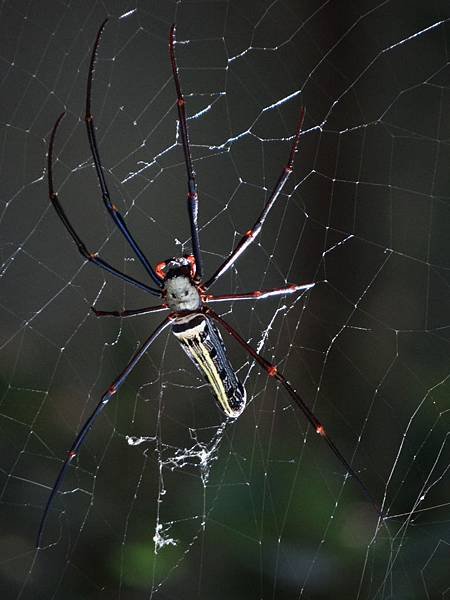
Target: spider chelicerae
[[179, 283]]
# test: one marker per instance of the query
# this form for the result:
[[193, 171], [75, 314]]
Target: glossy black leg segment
[[110, 207], [134, 312], [252, 233], [192, 198], [93, 258], [110, 392]]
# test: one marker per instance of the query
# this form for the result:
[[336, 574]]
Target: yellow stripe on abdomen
[[202, 357]]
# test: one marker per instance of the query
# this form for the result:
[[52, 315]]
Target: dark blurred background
[[195, 507]]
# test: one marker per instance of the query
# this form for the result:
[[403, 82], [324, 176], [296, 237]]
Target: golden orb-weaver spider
[[179, 283]]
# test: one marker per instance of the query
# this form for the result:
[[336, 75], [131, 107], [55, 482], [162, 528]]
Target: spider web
[[167, 499]]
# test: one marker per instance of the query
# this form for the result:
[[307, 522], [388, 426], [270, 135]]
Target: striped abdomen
[[202, 342]]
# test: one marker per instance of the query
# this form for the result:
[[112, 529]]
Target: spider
[[180, 284]]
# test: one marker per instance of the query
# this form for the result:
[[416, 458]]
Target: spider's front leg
[[90, 256], [249, 237], [192, 196], [110, 207]]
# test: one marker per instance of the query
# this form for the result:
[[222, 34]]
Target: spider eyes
[[175, 296]]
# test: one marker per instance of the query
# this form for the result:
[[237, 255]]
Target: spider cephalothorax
[[179, 283], [181, 291]]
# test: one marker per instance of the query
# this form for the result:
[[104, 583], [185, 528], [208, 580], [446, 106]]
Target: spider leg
[[260, 294], [272, 371], [110, 392], [128, 313], [192, 197], [96, 260], [110, 207], [252, 233]]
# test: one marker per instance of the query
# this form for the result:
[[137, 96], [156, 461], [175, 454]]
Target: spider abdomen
[[203, 344]]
